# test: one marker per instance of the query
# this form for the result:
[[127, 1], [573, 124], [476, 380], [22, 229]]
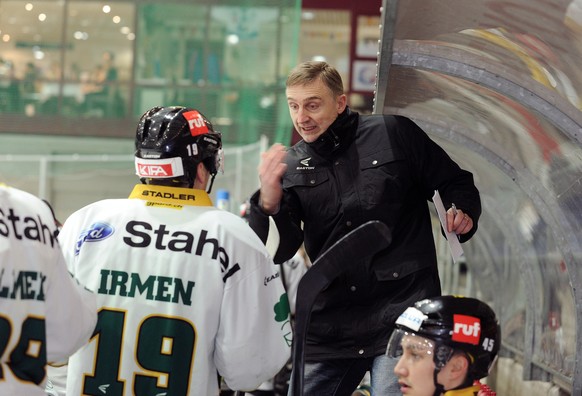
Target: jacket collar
[[339, 135], [173, 197]]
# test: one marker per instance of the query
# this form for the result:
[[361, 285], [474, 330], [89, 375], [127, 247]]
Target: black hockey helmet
[[454, 324], [171, 141]]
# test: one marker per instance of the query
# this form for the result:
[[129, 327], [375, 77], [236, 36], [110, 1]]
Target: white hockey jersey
[[184, 290], [45, 315], [292, 272]]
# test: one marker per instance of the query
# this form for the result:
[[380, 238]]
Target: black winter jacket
[[366, 167]]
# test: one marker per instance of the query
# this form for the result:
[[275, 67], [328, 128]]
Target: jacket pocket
[[379, 158], [397, 271], [305, 179], [316, 194], [384, 176]]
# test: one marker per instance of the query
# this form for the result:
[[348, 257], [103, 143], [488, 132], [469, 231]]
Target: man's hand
[[458, 221], [271, 170]]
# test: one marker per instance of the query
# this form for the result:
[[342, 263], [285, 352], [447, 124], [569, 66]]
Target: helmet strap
[[439, 389], [212, 176]]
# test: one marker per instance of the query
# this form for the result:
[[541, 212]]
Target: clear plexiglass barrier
[[498, 84]]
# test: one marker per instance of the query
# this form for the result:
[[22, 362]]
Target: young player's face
[[415, 369], [313, 108]]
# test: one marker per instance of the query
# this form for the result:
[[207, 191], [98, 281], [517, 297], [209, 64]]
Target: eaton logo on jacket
[[95, 233], [305, 163]]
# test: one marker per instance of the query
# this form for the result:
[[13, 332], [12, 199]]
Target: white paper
[[273, 237], [452, 238]]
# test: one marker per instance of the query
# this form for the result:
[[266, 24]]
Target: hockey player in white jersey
[[185, 291], [45, 315]]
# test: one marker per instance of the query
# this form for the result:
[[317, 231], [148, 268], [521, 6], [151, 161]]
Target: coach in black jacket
[[347, 170]]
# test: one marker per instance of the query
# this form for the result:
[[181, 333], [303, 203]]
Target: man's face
[[313, 108], [415, 369]]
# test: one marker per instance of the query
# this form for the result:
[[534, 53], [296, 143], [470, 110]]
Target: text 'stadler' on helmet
[[171, 141], [454, 324]]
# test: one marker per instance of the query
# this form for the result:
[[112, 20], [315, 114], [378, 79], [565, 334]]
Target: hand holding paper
[[452, 238]]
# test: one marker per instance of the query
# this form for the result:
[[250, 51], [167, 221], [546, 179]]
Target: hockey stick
[[357, 246]]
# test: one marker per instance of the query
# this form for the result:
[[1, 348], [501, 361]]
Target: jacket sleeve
[[282, 230], [436, 170], [71, 313], [254, 336]]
